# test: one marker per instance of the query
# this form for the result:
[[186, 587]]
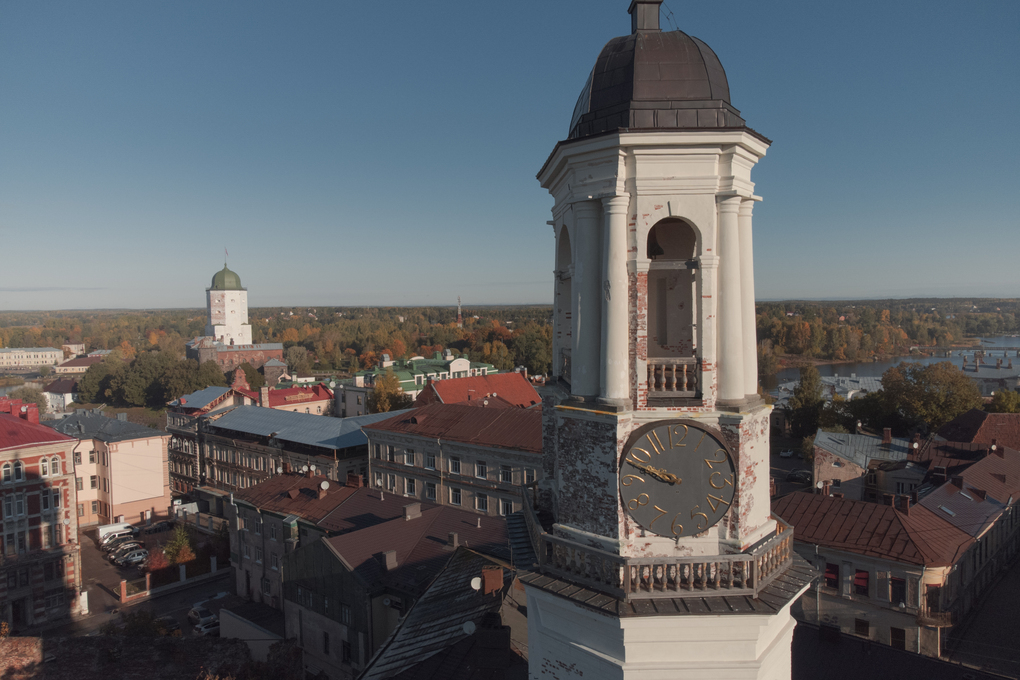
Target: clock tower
[[660, 556]]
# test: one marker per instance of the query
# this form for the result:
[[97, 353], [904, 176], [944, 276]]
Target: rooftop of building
[[301, 428], [225, 279], [981, 427], [200, 399], [861, 449], [511, 389], [6, 350], [16, 432], [297, 494], [81, 362], [444, 635], [913, 536], [62, 386], [88, 425], [261, 615], [516, 429], [421, 541]]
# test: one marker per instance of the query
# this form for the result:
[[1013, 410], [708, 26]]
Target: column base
[[738, 405], [614, 404]]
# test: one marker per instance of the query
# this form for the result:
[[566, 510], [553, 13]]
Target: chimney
[[913, 497], [825, 488], [264, 397], [310, 473], [286, 468], [903, 504], [998, 363], [957, 481], [412, 511], [492, 579], [389, 560], [887, 435], [353, 480], [454, 542], [837, 494], [644, 15], [29, 412], [887, 499], [322, 492]]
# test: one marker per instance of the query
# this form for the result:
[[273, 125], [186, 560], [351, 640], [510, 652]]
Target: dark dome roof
[[226, 280], [654, 80]]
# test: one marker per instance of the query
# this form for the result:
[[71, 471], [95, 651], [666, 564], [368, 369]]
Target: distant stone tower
[[227, 303], [660, 557]]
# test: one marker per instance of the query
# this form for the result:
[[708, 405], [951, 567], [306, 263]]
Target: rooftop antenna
[[225, 256], [460, 319], [668, 13]]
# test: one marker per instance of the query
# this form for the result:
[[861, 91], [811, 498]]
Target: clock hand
[[658, 474]]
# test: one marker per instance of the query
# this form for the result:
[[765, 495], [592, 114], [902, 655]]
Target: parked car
[[210, 628], [800, 476], [124, 550], [200, 615], [786, 453], [168, 625], [132, 558], [158, 527], [113, 546], [121, 533]]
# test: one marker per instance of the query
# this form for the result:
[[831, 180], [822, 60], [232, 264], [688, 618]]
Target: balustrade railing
[[672, 376], [934, 619], [631, 578]]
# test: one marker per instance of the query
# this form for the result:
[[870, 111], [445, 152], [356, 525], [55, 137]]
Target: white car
[[210, 628], [786, 453]]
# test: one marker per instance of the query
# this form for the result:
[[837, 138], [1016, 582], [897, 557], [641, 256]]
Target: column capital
[[729, 203], [586, 208], [746, 207], [616, 204]]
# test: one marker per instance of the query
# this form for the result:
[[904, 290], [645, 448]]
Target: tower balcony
[[673, 381]]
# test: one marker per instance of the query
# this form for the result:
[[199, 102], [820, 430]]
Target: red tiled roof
[[916, 537], [517, 429], [295, 396], [295, 494], [981, 427], [17, 433], [421, 544], [513, 388], [997, 474]]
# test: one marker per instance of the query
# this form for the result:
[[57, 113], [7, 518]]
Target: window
[[258, 555], [482, 502], [506, 507], [79, 484], [81, 509], [92, 456], [831, 575], [391, 455], [7, 472], [430, 491], [247, 552], [95, 507], [47, 536], [345, 646], [44, 498], [105, 460], [836, 483], [19, 471], [93, 482], [861, 582], [19, 504], [481, 471], [409, 487], [897, 638], [267, 587], [861, 627], [378, 452], [77, 457], [272, 531], [454, 496], [345, 614], [56, 467], [391, 482], [9, 505], [409, 457], [430, 461], [378, 479], [44, 468], [506, 474], [325, 643], [897, 591], [455, 466], [258, 527], [274, 561]]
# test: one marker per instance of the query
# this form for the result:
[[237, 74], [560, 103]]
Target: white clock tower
[[660, 557], [227, 304]]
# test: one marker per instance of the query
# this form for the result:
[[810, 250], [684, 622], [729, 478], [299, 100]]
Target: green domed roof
[[226, 280]]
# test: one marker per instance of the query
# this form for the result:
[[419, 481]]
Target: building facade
[[121, 469], [476, 458], [415, 373], [29, 357], [40, 566]]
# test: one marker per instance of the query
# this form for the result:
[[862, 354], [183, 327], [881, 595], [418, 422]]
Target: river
[[877, 368]]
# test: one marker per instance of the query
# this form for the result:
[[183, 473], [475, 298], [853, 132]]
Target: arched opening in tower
[[672, 283]]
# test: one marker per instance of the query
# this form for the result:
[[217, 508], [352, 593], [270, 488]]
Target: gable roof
[[81, 362], [981, 427], [95, 426], [200, 399], [511, 388], [301, 428], [296, 494], [861, 449], [293, 396], [17, 433], [62, 386], [517, 429], [915, 537]]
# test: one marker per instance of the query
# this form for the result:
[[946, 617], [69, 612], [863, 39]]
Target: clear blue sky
[[385, 153]]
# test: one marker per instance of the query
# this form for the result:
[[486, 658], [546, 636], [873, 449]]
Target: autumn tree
[[30, 395], [1004, 401], [388, 395], [929, 396], [179, 546]]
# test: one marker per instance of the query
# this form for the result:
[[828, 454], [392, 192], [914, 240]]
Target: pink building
[[40, 575], [121, 471]]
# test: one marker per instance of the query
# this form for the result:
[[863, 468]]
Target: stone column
[[615, 322], [731, 350], [587, 295], [747, 301]]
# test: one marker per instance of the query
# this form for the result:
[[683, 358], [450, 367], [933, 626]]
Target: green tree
[[210, 375], [179, 546], [929, 396], [1004, 401], [768, 364], [44, 371], [98, 382], [255, 379], [30, 395], [532, 347], [806, 403], [387, 395], [297, 359]]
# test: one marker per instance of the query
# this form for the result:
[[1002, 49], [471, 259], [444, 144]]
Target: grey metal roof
[[861, 449], [201, 398], [965, 508], [300, 428], [94, 426]]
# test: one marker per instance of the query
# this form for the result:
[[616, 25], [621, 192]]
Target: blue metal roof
[[300, 428], [201, 398]]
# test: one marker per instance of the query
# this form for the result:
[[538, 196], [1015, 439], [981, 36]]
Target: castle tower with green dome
[[227, 302]]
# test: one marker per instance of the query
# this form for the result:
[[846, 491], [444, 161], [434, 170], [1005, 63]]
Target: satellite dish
[[468, 627], [67, 522], [332, 384], [304, 468], [476, 583], [324, 485], [818, 485], [279, 470], [312, 468]]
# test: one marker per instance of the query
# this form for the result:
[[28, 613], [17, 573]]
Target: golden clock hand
[[658, 474]]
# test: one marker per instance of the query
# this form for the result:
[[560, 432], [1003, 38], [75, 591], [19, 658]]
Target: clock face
[[677, 477]]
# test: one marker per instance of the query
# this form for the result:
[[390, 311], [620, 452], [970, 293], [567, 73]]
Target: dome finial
[[644, 15]]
